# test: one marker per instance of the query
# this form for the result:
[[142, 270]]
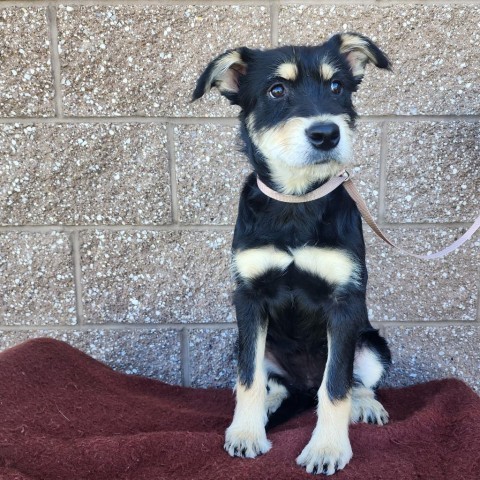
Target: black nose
[[323, 136]]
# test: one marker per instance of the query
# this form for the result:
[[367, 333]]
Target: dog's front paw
[[246, 443], [326, 459]]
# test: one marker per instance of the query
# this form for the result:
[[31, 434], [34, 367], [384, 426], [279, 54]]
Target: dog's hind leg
[[246, 436], [372, 359], [283, 403], [366, 408], [276, 394]]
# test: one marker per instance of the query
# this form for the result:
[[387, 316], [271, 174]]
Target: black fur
[[300, 306], [297, 307]]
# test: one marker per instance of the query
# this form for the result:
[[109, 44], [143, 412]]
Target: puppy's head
[[297, 112]]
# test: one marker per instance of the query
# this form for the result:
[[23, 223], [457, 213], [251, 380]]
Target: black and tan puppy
[[304, 333]]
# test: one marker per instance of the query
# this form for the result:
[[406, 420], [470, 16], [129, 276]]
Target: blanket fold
[[65, 416]]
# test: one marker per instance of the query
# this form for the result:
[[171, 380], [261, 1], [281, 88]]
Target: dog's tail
[[297, 402]]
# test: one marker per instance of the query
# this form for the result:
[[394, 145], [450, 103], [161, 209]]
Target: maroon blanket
[[66, 416]]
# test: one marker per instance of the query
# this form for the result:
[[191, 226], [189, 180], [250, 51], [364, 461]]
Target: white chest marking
[[333, 265], [254, 262]]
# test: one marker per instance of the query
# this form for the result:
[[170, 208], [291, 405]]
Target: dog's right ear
[[224, 73]]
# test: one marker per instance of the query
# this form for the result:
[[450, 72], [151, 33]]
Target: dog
[[304, 336]]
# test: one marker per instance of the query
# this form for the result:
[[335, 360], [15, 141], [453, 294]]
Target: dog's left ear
[[223, 72], [359, 50]]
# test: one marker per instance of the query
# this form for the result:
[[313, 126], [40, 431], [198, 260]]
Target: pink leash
[[344, 179]]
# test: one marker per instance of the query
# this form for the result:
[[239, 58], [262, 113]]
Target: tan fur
[[329, 443], [333, 265], [357, 53], [285, 145], [276, 395], [288, 71], [327, 71], [222, 74], [296, 180], [365, 406], [247, 430], [254, 262]]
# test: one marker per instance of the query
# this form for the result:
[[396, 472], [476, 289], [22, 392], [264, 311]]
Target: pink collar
[[343, 178], [319, 192]]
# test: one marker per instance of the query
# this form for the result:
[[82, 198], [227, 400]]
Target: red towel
[[66, 416]]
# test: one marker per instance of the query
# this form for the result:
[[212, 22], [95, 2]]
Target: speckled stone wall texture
[[118, 195]]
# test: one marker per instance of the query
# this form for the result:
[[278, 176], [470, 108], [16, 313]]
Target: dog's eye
[[277, 90], [336, 87]]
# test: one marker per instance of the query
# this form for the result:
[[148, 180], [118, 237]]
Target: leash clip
[[345, 175]]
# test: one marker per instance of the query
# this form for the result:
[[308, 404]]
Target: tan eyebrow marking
[[327, 71], [287, 70]]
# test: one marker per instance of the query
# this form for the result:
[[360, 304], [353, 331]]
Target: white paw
[[276, 395], [246, 443], [326, 459], [365, 408]]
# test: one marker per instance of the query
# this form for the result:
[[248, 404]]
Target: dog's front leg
[[246, 436], [329, 448]]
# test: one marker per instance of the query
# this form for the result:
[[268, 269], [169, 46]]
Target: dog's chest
[[333, 265]]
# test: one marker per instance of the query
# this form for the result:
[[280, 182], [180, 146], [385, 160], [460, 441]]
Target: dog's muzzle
[[323, 136]]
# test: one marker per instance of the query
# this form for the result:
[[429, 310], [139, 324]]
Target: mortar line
[[420, 118], [228, 121], [423, 323], [478, 301], [175, 210], [378, 2], [274, 14], [382, 181], [121, 326], [44, 3], [55, 59], [213, 326], [77, 277], [425, 225], [141, 3], [56, 3], [185, 357], [380, 328], [116, 228], [201, 227]]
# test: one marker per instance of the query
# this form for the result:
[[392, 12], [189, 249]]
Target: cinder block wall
[[118, 196]]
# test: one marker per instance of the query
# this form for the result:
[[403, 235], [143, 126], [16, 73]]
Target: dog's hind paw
[[244, 443], [365, 408], [325, 459]]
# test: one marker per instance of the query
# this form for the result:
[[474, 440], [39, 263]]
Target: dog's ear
[[224, 73], [359, 50]]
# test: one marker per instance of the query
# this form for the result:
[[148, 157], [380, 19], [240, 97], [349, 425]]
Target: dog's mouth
[[316, 158], [303, 150], [304, 141]]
